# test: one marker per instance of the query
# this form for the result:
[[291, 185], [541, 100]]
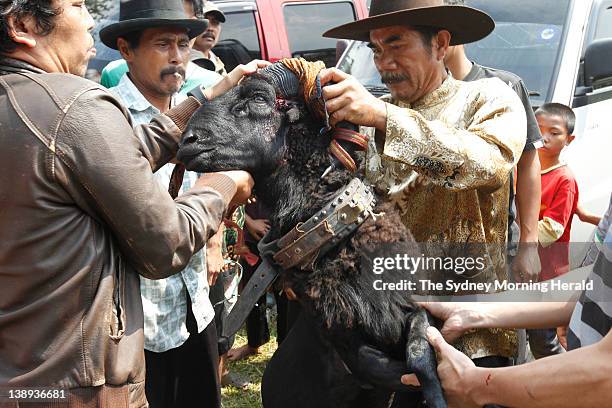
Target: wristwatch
[[198, 93]]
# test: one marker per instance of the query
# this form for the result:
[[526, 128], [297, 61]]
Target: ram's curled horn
[[298, 78], [287, 83]]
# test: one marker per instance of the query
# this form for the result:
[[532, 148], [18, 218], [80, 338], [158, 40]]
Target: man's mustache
[[173, 70], [392, 77], [208, 34]]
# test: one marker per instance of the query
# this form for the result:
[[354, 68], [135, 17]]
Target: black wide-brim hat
[[466, 24], [138, 15]]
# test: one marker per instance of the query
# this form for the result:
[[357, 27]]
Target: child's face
[[554, 134]]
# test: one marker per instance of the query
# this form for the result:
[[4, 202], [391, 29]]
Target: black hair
[[132, 38], [42, 11], [563, 111], [427, 35]]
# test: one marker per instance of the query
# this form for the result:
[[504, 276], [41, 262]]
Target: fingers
[[332, 75], [333, 91], [410, 379], [437, 341], [339, 116], [253, 66]]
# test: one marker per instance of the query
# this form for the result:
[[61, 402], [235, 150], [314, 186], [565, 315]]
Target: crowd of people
[[110, 265]]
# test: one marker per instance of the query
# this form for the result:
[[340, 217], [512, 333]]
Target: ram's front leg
[[421, 359], [370, 365]]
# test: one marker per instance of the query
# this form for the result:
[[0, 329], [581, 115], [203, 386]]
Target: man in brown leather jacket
[[80, 213]]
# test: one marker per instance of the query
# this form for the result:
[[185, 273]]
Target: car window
[[526, 41], [239, 42], [307, 22], [604, 24]]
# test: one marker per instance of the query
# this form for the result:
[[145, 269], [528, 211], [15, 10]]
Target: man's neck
[[436, 80], [40, 61], [205, 52], [161, 102], [460, 66]]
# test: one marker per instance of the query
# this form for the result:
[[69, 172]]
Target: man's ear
[[570, 139], [441, 43], [124, 48], [22, 31]]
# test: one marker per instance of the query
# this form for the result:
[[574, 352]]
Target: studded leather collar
[[335, 221]]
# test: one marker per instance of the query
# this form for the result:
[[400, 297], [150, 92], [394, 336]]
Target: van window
[[307, 22], [604, 24], [526, 41], [599, 27], [239, 42]]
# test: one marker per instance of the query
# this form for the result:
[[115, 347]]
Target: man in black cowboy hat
[[181, 355], [462, 139]]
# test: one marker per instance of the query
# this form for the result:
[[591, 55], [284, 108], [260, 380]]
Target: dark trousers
[[187, 375]]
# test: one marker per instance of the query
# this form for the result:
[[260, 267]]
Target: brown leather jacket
[[80, 217]]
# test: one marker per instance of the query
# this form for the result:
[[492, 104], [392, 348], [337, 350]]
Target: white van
[[563, 51]]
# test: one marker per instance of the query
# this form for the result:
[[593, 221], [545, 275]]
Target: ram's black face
[[241, 130]]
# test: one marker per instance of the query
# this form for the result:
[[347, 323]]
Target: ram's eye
[[259, 99]]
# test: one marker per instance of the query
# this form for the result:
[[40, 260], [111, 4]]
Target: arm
[[528, 195], [559, 381], [460, 317], [479, 156], [214, 256], [108, 173], [586, 216]]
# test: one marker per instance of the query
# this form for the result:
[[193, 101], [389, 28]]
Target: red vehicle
[[264, 29], [276, 29]]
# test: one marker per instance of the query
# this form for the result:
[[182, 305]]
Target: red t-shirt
[[559, 203]]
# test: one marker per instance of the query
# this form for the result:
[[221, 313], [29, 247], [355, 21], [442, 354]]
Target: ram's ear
[[294, 114]]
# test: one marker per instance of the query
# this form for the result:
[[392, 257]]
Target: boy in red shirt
[[559, 202], [559, 189]]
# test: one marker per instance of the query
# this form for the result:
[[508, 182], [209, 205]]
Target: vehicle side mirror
[[598, 64], [341, 46]]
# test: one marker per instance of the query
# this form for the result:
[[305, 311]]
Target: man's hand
[[244, 185], [526, 265], [233, 78], [348, 100], [214, 256], [458, 317], [457, 373], [257, 228]]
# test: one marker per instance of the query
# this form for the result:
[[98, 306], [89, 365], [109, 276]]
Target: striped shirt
[[164, 301], [592, 317]]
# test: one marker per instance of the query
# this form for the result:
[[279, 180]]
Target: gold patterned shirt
[[446, 163]]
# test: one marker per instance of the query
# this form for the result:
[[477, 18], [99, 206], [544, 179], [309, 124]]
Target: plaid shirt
[[164, 301]]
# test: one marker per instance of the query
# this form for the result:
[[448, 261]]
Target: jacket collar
[[10, 65]]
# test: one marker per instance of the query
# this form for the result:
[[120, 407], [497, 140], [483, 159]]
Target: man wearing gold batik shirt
[[443, 149]]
